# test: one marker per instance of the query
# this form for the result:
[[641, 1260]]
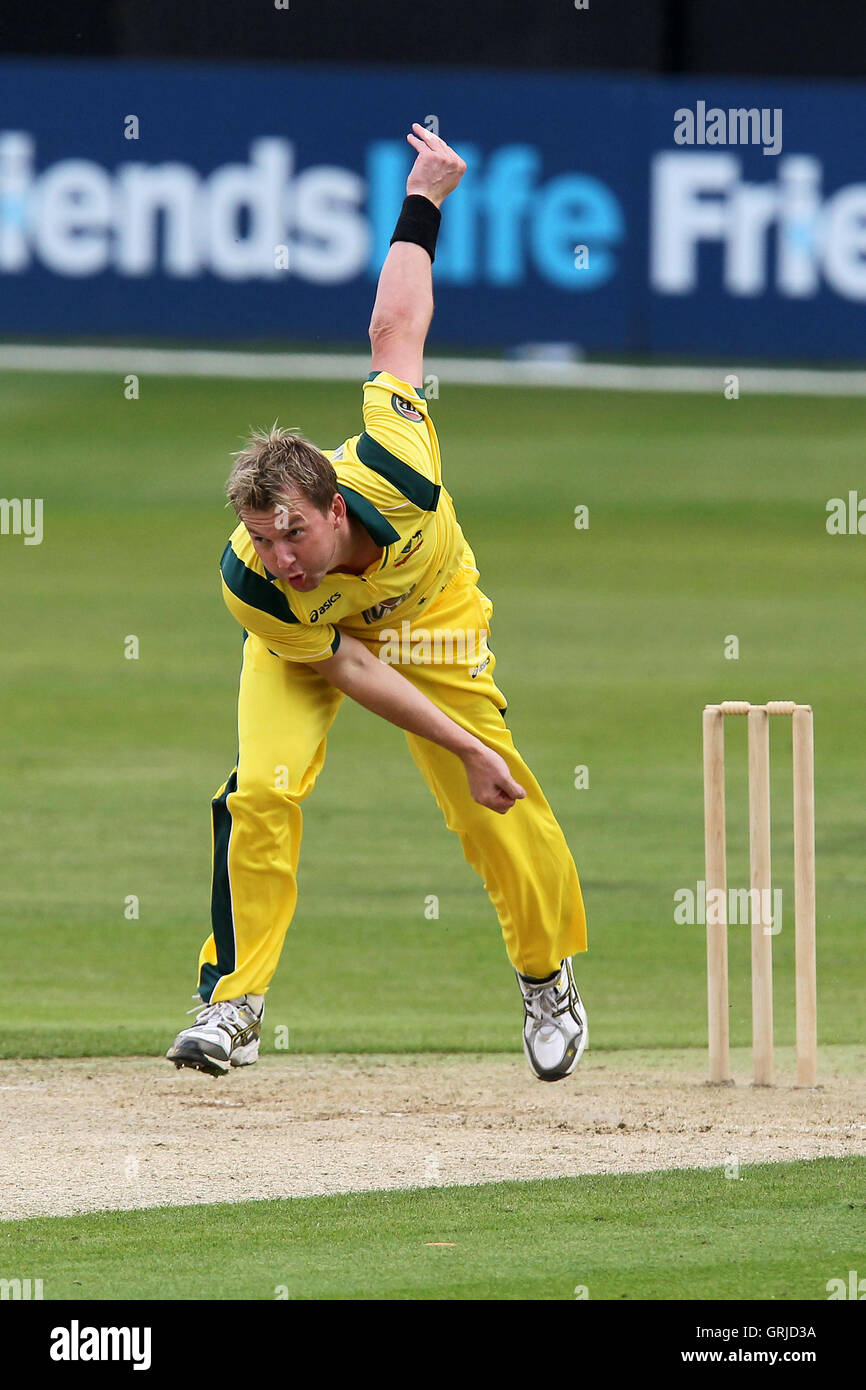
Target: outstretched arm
[[404, 299], [380, 688]]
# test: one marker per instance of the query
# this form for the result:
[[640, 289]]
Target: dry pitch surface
[[88, 1135]]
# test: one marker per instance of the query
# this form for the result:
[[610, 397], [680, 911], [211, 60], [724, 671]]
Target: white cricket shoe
[[555, 1028], [224, 1035]]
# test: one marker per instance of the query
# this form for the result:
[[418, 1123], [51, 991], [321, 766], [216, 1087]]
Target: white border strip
[[457, 371]]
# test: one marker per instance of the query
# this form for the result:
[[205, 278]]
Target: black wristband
[[418, 222]]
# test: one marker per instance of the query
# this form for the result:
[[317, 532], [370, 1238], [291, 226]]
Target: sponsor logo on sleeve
[[406, 409], [414, 543]]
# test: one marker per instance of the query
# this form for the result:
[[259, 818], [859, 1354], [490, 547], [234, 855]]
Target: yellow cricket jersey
[[391, 479]]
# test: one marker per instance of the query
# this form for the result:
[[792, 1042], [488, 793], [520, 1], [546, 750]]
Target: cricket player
[[351, 576]]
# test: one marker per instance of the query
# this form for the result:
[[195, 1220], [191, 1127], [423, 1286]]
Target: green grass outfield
[[707, 518], [781, 1232]]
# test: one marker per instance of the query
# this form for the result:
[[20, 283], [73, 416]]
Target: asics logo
[[318, 612]]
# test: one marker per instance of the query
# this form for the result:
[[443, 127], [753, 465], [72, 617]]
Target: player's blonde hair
[[274, 465]]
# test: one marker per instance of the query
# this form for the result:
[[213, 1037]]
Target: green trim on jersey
[[253, 589], [222, 920], [413, 485], [417, 389], [382, 531], [210, 977]]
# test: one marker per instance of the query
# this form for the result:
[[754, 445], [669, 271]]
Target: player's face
[[296, 542]]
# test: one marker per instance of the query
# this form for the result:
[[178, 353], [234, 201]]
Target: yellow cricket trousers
[[285, 710]]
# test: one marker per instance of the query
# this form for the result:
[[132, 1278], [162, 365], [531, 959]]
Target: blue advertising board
[[244, 202], [762, 254]]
